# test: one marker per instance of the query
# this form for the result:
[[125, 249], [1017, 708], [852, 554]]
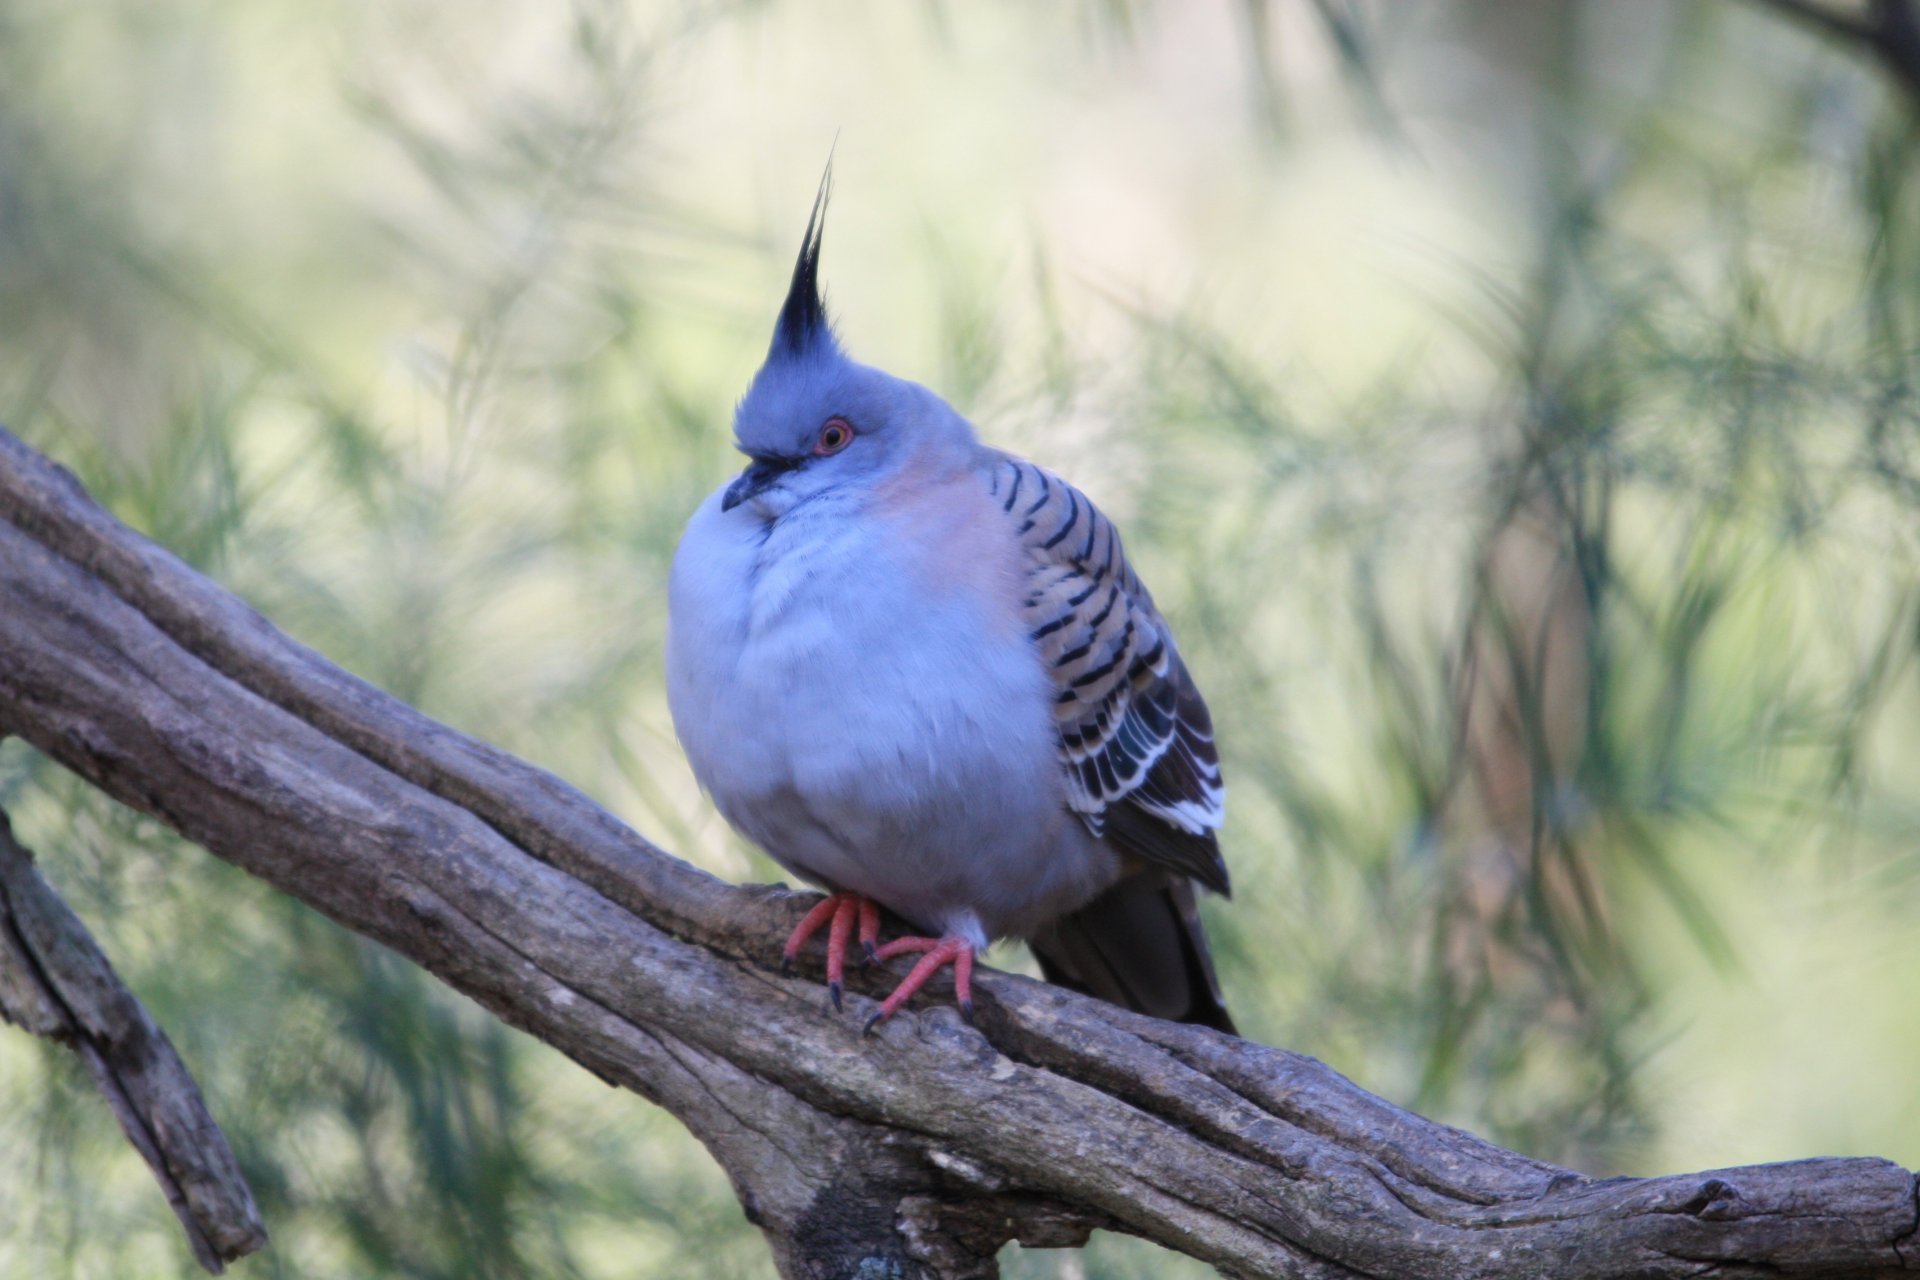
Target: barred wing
[[1135, 737]]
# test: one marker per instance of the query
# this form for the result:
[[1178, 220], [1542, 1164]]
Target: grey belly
[[904, 750], [1000, 848]]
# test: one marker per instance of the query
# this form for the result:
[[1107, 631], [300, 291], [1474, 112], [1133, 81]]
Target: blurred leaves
[[1542, 646]]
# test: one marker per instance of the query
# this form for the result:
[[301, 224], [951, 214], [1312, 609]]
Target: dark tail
[[1139, 945]]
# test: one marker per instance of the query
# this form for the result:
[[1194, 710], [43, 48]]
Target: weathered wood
[[916, 1151], [57, 983]]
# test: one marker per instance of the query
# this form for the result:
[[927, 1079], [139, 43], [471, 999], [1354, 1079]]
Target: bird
[[921, 674]]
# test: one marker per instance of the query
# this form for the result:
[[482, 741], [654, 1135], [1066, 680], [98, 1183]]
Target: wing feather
[[1136, 741]]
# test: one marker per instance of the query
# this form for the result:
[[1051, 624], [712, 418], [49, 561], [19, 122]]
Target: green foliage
[[425, 343]]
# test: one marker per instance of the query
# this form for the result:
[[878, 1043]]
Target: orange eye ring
[[835, 435]]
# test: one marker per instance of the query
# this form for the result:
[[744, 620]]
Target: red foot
[[841, 909], [938, 951]]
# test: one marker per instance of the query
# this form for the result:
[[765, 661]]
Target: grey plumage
[[922, 671]]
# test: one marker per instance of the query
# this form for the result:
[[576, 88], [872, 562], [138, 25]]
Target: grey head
[[815, 422]]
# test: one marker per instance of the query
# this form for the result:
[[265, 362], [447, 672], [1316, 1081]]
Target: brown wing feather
[[1139, 945], [1135, 737]]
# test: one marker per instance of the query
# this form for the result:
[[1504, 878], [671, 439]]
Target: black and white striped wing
[[1135, 737]]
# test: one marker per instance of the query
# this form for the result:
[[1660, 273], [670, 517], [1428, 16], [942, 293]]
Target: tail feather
[[1140, 946]]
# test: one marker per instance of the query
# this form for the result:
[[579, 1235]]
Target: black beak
[[762, 473]]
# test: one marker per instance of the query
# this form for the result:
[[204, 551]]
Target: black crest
[[803, 316]]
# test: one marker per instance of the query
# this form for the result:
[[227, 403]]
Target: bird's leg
[[842, 910], [869, 930], [823, 911], [937, 952]]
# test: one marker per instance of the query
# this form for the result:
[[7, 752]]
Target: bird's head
[[815, 422]]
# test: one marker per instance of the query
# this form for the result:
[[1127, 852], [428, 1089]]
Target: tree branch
[[56, 982], [916, 1151], [1889, 32]]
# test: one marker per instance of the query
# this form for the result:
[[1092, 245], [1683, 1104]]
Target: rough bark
[[915, 1151], [56, 982]]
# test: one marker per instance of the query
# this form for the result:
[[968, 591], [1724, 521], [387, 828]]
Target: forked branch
[[916, 1151], [57, 983]]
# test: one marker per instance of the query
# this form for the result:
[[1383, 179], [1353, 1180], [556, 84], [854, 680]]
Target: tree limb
[[1888, 31], [56, 982], [916, 1151]]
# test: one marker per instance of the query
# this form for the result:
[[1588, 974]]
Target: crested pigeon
[[920, 673]]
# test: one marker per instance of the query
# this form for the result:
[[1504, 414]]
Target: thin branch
[[1889, 31], [1830, 21], [57, 983], [916, 1151]]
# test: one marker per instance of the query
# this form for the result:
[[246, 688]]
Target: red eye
[[835, 435]]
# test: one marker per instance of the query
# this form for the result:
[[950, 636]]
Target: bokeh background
[[1512, 405]]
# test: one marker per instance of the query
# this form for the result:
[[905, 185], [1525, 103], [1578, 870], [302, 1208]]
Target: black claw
[[966, 1010], [833, 994], [870, 953], [872, 1022], [786, 966]]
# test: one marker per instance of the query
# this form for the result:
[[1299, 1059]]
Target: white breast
[[856, 691]]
